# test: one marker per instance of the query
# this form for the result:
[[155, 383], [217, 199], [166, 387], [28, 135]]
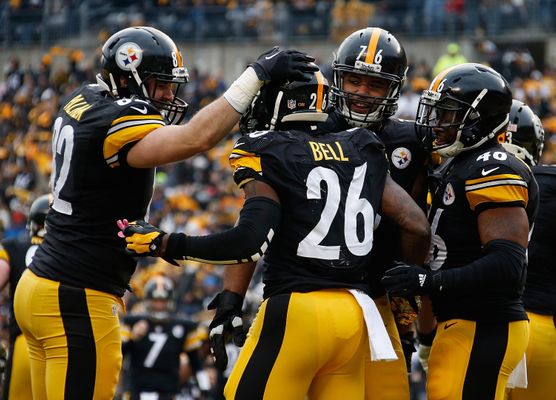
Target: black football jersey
[[407, 158], [154, 359], [93, 187], [476, 180], [18, 253], [330, 187], [540, 288]]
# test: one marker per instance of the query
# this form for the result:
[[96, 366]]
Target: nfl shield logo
[[292, 104]]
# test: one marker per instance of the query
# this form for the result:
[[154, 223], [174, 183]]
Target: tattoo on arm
[[415, 229], [509, 223], [260, 189]]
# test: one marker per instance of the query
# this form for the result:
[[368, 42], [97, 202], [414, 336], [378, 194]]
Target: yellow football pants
[[541, 361], [387, 380], [73, 336], [303, 344], [473, 360], [17, 378]]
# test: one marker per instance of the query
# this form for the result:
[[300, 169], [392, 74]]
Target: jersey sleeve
[[496, 186], [195, 337], [134, 122], [245, 160]]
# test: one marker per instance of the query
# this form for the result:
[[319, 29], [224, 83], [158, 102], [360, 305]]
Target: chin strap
[[112, 89]]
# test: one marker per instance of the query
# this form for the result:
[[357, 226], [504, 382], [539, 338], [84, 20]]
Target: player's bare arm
[[415, 229], [509, 223], [172, 143]]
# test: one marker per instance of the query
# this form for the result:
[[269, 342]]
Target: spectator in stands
[[452, 56]]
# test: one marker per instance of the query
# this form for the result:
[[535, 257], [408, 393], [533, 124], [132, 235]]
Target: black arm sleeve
[[503, 265], [247, 241]]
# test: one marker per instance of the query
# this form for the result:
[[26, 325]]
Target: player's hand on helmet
[[143, 239], [282, 65], [227, 324], [410, 280]]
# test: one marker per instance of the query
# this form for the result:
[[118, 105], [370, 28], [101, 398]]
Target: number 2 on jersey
[[62, 144], [310, 246]]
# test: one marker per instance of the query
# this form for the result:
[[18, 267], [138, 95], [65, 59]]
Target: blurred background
[[50, 47]]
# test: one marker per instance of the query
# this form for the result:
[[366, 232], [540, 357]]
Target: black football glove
[[227, 323], [279, 65], [411, 280], [144, 239], [408, 347]]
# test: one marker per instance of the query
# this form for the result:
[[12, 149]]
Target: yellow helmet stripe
[[371, 49], [439, 78], [180, 60], [320, 89]]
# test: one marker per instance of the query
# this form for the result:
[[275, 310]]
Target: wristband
[[426, 338], [241, 93]]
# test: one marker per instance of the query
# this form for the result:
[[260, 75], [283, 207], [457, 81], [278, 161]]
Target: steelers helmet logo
[[177, 331], [129, 55], [401, 157], [449, 195]]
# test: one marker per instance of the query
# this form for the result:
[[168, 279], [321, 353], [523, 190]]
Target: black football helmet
[[36, 221], [525, 135], [138, 54], [159, 288], [295, 101], [472, 98], [373, 52]]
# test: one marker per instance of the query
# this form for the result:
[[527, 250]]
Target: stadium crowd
[[25, 22], [196, 196]]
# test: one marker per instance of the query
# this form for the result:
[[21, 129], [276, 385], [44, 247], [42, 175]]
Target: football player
[[312, 199], [15, 256], [525, 139], [107, 139], [155, 341], [369, 70], [481, 213]]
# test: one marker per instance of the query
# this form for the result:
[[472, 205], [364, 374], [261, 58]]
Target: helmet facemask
[[454, 125], [173, 111]]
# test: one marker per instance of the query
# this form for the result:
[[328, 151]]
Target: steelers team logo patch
[[401, 157], [129, 55], [449, 195], [178, 331]]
